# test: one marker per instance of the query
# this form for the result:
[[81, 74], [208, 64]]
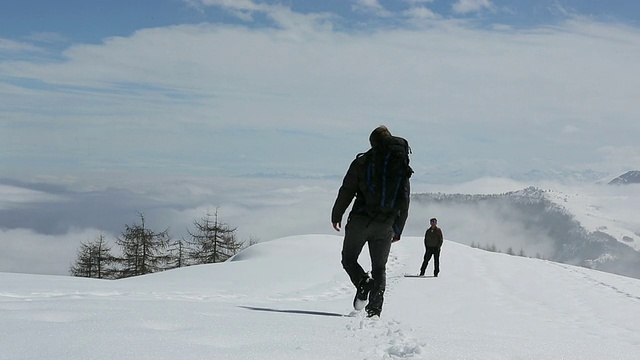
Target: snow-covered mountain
[[630, 177], [598, 209], [583, 228], [289, 299]]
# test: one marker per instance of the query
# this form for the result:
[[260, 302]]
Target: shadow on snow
[[292, 311]]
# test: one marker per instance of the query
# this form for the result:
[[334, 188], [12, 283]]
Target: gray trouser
[[429, 251], [361, 230]]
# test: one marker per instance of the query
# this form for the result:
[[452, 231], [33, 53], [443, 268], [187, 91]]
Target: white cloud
[[11, 196], [191, 91], [281, 15], [469, 6], [25, 251], [370, 6], [11, 46], [559, 9], [237, 5], [420, 13]]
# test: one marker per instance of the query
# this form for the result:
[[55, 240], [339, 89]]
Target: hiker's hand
[[337, 226]]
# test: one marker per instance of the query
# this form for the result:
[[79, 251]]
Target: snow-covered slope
[[610, 209], [289, 299]]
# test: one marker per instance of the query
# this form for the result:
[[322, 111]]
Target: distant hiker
[[379, 181], [432, 242]]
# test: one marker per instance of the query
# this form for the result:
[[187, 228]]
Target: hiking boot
[[373, 312], [362, 292], [435, 274], [421, 273]]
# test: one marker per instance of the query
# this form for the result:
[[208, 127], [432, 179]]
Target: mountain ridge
[[630, 177]]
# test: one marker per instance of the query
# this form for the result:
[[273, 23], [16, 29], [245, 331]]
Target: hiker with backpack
[[433, 240], [379, 181]]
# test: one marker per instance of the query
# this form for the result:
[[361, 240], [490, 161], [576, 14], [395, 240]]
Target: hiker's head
[[378, 134]]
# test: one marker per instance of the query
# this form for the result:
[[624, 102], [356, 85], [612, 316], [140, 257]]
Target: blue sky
[[176, 107], [93, 20]]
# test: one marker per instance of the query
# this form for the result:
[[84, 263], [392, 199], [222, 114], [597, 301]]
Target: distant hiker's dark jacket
[[433, 237], [354, 184]]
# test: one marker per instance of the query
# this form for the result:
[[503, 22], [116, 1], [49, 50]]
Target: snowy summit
[[290, 299]]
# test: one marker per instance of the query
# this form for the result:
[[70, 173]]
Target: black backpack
[[386, 169]]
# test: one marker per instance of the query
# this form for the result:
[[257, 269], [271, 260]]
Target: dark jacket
[[433, 237], [354, 185]]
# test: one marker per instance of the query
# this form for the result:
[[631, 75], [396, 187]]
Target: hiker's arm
[[346, 193]]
